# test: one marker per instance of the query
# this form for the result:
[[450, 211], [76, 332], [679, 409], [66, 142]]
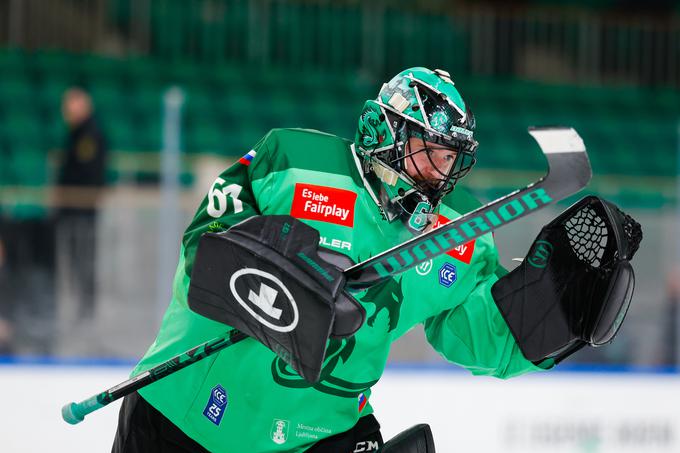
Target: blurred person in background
[[6, 328], [81, 176], [670, 355], [27, 309]]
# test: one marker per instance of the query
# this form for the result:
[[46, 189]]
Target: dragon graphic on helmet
[[416, 142]]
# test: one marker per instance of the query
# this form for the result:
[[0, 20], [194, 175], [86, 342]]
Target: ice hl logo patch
[[325, 204], [447, 275], [217, 404], [280, 431]]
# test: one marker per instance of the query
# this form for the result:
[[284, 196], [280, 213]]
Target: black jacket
[[85, 160]]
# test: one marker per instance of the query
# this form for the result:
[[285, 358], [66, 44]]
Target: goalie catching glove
[[575, 285], [268, 278]]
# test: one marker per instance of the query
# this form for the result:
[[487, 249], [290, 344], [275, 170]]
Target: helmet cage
[[443, 123], [396, 158]]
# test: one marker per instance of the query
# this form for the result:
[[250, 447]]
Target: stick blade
[[569, 166]]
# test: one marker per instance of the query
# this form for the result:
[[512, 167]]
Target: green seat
[[182, 73], [239, 103], [146, 100], [15, 91], [23, 129], [199, 104], [242, 139], [54, 131], [121, 131], [148, 135], [12, 58], [51, 90], [51, 63], [284, 109], [99, 68], [205, 136], [29, 166], [223, 77], [109, 95], [135, 70]]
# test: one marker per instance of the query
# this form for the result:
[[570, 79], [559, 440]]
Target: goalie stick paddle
[[568, 172]]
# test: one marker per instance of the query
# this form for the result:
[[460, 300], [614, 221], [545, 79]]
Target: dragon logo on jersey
[[386, 296], [338, 350]]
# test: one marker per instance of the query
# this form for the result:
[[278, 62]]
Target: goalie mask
[[416, 142], [576, 283]]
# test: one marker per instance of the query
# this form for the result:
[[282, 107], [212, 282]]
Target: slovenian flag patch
[[245, 160], [362, 401]]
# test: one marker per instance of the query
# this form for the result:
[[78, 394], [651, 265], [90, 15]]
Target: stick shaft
[[446, 237], [75, 412]]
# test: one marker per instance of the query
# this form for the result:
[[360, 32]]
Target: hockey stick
[[569, 171], [74, 413]]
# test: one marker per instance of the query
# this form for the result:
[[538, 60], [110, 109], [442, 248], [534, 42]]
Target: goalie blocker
[[268, 278], [575, 285]]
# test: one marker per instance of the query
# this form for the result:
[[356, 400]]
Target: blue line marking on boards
[[564, 368], [397, 367]]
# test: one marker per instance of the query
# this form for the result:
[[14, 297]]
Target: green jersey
[[245, 397]]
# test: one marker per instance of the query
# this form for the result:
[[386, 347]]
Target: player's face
[[428, 162]]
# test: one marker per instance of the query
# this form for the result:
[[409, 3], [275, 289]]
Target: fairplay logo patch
[[326, 204], [462, 252]]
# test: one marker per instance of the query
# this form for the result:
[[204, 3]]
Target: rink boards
[[557, 412]]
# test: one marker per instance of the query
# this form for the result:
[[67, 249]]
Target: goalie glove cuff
[[576, 283]]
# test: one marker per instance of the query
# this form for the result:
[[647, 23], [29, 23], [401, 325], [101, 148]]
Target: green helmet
[[416, 141]]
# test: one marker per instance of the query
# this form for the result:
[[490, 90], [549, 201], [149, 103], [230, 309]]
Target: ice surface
[[556, 412]]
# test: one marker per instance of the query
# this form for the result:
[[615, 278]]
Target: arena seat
[[230, 107]]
